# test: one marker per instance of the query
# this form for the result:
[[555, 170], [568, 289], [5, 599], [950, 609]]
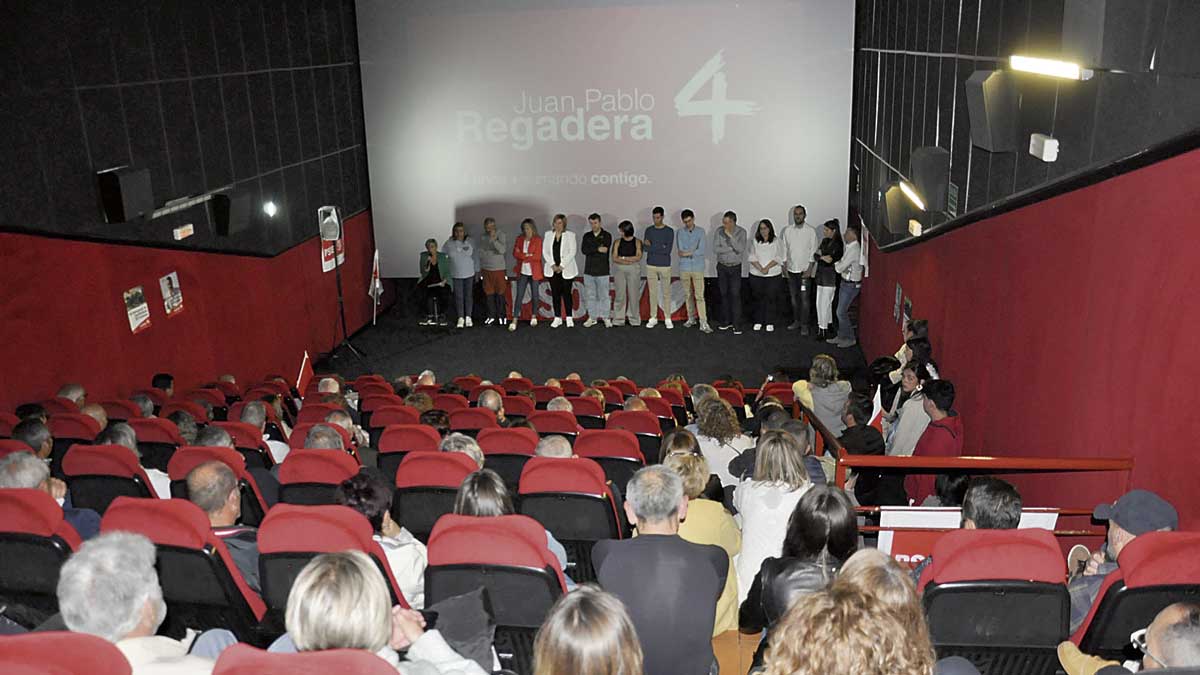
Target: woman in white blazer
[[558, 253]]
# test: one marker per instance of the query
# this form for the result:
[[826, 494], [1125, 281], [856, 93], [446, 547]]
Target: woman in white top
[[850, 271], [558, 255], [720, 437], [766, 502], [767, 258], [406, 556]]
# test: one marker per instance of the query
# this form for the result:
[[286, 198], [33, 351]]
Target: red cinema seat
[[543, 394], [229, 390], [505, 451], [613, 398], [291, 535], [213, 397], [687, 389], [98, 474], [315, 413], [998, 597], [616, 450], [626, 387], [470, 420], [368, 379], [677, 402], [273, 428], [35, 541], [572, 387], [644, 425], [369, 403], [1156, 570], [157, 396], [311, 477], [555, 422], [61, 653], [300, 433], [242, 659], [516, 385], [190, 407], [249, 442], [397, 440], [7, 422], [474, 392], [735, 399], [8, 446], [518, 407], [157, 439], [430, 389], [426, 484], [121, 410], [254, 507], [388, 415], [662, 410], [200, 582], [69, 429], [780, 390], [571, 498], [450, 402], [59, 405], [467, 382], [588, 412], [374, 388]]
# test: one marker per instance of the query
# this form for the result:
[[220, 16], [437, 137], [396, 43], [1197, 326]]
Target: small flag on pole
[[376, 288], [306, 375]]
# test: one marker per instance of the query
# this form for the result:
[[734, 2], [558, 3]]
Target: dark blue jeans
[[729, 282], [846, 295]]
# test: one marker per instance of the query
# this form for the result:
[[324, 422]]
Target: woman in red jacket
[[528, 252]]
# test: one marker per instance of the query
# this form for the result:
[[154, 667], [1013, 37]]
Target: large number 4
[[717, 107]]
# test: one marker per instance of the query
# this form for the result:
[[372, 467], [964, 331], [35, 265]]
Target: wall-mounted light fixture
[[1066, 70]]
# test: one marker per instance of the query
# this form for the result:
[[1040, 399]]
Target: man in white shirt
[[850, 269], [800, 240]]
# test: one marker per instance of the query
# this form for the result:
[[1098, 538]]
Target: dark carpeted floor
[[398, 346]]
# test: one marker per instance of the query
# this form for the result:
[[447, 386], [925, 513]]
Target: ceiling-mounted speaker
[[894, 211], [993, 106], [1112, 34], [125, 194], [929, 167]]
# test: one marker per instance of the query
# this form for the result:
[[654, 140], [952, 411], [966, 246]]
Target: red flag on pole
[[306, 375]]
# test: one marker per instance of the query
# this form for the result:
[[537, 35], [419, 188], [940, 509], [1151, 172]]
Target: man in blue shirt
[[658, 244], [691, 270]]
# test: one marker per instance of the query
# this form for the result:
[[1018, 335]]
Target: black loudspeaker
[[1112, 34], [992, 104], [125, 194], [894, 210], [929, 167], [229, 215]]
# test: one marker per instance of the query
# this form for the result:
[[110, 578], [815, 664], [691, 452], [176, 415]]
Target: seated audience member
[[989, 504], [906, 420], [554, 446], [672, 597], [680, 441], [75, 392], [324, 437], [267, 481], [872, 487], [943, 437], [120, 433], [1134, 514], [438, 420], [96, 412], [823, 393], [598, 382], [649, 392], [227, 377], [164, 382], [767, 416], [36, 435], [24, 470], [720, 437], [915, 328], [587, 632], [766, 502], [328, 385], [633, 403], [822, 533], [254, 413], [708, 523], [341, 601], [1172, 640], [214, 488], [553, 382], [699, 393], [419, 400], [426, 378], [484, 494], [277, 402], [186, 424], [560, 403], [948, 490], [402, 386], [110, 589], [35, 411], [359, 438], [491, 399], [144, 404], [514, 375], [463, 443], [407, 558], [815, 467]]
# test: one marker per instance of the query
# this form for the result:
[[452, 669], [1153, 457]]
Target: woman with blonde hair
[[765, 503], [823, 393], [708, 522], [720, 436], [587, 632], [341, 601]]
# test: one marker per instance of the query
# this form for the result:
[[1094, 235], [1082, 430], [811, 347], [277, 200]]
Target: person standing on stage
[[595, 246], [527, 249], [558, 254], [827, 255], [800, 242], [462, 268], [850, 271], [627, 277], [690, 243], [766, 267], [492, 247], [435, 281], [729, 245], [659, 241]]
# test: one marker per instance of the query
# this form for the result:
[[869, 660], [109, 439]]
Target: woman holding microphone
[[558, 256]]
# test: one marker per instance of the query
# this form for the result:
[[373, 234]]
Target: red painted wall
[[63, 318], [1070, 328]]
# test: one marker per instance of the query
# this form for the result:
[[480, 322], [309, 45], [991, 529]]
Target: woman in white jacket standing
[[767, 258], [558, 254]]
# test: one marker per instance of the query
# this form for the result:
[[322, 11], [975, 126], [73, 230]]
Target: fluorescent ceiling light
[[1064, 69], [912, 195], [915, 228]]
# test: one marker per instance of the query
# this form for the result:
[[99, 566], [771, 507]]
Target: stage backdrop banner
[[529, 108]]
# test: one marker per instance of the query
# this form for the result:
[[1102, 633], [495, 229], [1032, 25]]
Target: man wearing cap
[[1134, 514]]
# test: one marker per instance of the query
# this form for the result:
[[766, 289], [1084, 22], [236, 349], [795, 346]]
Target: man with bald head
[[75, 392], [214, 488], [554, 446], [96, 412], [633, 403], [328, 385], [427, 377], [1172, 640], [492, 400]]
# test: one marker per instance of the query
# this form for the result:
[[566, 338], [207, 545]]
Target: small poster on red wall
[[172, 294], [137, 310], [332, 254]]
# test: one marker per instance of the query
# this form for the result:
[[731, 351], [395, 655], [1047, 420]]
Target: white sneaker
[[533, 321], [689, 323], [758, 326], [459, 324], [512, 326], [704, 328], [608, 323], [488, 321], [589, 323], [651, 323], [570, 322], [669, 324], [556, 322], [770, 328], [469, 324]]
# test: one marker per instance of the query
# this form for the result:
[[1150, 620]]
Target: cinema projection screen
[[527, 109]]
